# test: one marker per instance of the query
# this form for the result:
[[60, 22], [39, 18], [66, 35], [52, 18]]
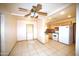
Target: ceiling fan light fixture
[[36, 14], [69, 16], [33, 13]]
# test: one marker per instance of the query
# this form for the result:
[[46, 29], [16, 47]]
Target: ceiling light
[[36, 14], [33, 13], [49, 18], [69, 16], [62, 12]]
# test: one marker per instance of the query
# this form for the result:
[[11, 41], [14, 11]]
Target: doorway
[[29, 31], [74, 32]]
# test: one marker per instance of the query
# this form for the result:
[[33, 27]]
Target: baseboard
[[4, 54], [12, 48], [41, 41]]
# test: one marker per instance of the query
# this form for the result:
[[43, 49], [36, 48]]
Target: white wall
[[41, 30], [21, 27], [77, 30], [21, 30], [8, 33]]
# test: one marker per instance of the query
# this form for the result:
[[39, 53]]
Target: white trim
[[58, 10]]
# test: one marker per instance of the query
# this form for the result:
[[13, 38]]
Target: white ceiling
[[50, 8], [69, 12]]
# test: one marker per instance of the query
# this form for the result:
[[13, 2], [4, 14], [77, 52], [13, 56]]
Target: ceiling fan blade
[[42, 13], [36, 17], [27, 15], [39, 6], [23, 9]]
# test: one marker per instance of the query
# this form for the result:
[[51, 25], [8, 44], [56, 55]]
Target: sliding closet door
[[29, 31]]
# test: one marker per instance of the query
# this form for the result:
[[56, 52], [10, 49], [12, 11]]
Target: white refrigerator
[[65, 34]]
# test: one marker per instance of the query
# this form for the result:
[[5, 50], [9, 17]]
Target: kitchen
[[61, 27]]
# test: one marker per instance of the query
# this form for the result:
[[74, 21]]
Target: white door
[[64, 34], [29, 32]]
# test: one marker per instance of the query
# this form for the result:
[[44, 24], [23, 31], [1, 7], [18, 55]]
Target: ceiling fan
[[34, 11]]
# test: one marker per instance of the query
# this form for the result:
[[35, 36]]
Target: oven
[[55, 36]]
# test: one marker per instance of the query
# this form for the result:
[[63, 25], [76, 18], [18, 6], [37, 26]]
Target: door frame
[[32, 30], [74, 33], [0, 34]]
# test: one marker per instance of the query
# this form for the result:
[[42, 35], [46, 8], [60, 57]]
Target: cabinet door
[[64, 34]]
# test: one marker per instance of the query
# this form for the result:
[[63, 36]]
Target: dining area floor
[[36, 48]]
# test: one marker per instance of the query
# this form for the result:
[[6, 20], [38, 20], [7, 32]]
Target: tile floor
[[35, 48]]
